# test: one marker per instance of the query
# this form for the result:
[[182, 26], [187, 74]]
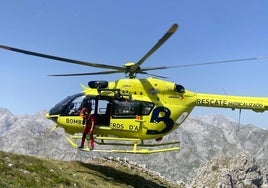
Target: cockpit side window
[[74, 107], [103, 106]]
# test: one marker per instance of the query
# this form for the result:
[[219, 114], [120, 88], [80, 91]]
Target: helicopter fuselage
[[141, 108], [130, 108]]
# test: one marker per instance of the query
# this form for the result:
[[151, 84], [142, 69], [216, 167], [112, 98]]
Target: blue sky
[[116, 32]]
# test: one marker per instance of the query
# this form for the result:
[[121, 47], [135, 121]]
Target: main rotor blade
[[166, 36], [219, 62], [142, 71], [154, 75], [62, 58], [86, 74], [206, 63]]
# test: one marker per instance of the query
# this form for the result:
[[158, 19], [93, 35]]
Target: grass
[[27, 171]]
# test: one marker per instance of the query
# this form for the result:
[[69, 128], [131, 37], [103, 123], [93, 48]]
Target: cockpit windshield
[[64, 106]]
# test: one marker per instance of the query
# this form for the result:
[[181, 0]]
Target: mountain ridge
[[202, 139], [28, 171]]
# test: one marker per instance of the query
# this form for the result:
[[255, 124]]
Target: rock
[[240, 170], [7, 119]]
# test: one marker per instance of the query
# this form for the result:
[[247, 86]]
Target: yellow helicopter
[[130, 111]]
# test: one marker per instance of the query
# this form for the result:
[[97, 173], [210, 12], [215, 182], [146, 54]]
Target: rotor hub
[[131, 70]]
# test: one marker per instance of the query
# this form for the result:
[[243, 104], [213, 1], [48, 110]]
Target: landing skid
[[138, 146]]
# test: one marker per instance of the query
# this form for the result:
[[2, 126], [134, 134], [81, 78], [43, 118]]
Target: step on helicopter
[[131, 111]]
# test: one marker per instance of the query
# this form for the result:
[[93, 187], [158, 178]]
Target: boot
[[82, 145], [83, 141], [91, 144]]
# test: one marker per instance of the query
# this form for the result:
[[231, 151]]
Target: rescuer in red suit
[[88, 122]]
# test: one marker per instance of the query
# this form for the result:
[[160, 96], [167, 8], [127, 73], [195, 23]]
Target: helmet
[[87, 103]]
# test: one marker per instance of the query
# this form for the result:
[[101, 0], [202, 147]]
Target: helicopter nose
[[52, 117]]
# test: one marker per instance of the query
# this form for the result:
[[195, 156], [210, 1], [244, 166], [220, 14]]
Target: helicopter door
[[102, 112]]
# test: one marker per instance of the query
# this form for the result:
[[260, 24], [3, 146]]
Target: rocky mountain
[[31, 135], [6, 120], [240, 170], [202, 139]]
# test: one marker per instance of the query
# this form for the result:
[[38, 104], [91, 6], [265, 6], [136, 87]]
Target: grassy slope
[[27, 171]]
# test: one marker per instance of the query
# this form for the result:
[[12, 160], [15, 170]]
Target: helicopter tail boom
[[257, 104]]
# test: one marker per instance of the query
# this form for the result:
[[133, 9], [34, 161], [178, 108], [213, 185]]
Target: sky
[[119, 31]]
